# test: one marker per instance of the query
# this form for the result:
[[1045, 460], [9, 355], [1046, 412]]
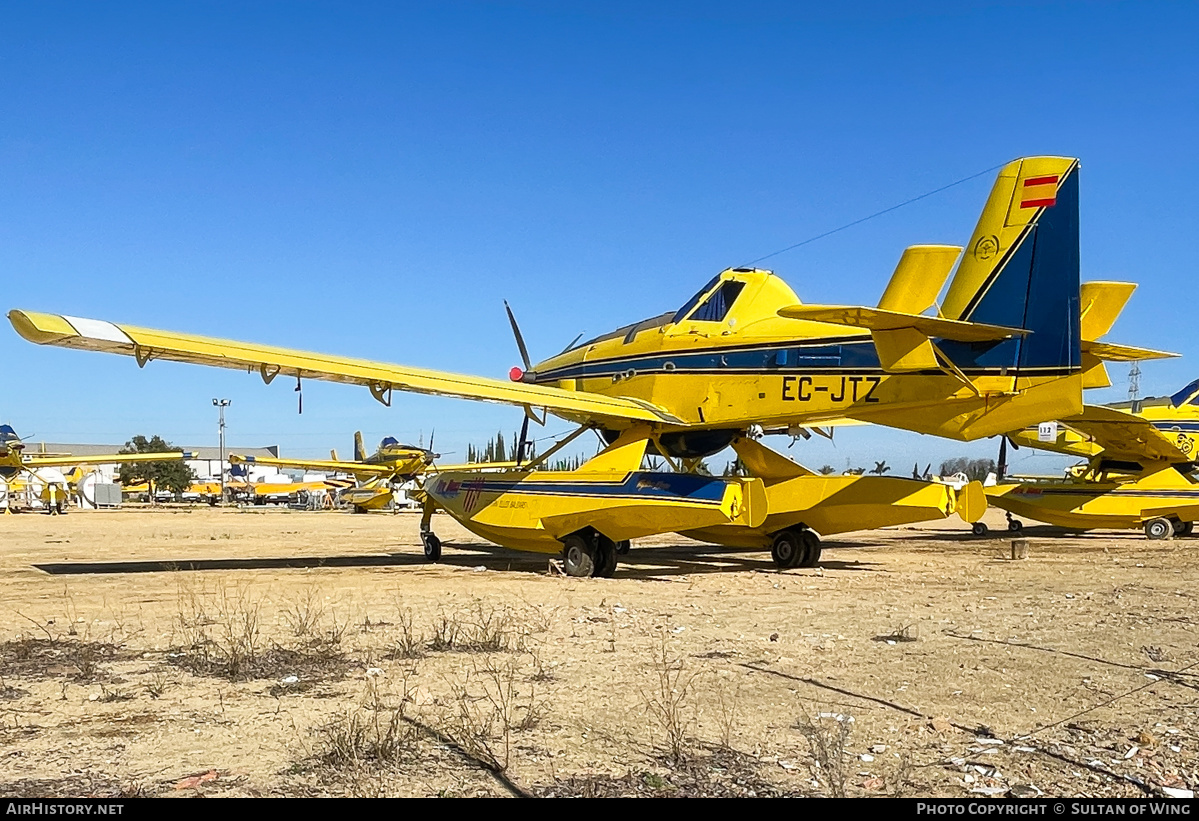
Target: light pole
[[222, 404]]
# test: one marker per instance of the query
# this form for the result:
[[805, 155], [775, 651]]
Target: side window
[[716, 307]]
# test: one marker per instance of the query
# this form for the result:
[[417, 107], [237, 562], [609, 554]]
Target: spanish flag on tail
[[1039, 192]]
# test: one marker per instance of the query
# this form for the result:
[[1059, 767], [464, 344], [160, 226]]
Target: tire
[[1015, 526], [605, 561], [432, 546], [578, 556], [788, 549], [1159, 529], [979, 529], [811, 554], [623, 547], [1184, 528]]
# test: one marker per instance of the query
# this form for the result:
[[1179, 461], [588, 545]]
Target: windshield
[[716, 307], [1190, 390], [691, 303]]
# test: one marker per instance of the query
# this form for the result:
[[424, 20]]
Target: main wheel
[[1158, 528], [432, 546], [788, 549], [578, 556], [979, 529], [623, 547], [1015, 525], [1184, 528], [605, 557], [811, 545]]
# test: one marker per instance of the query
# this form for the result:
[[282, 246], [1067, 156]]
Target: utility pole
[[222, 404]]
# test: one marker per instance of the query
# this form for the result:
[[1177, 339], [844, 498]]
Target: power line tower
[[1134, 386]]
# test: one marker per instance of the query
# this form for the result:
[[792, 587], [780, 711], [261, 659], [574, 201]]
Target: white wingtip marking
[[98, 329]]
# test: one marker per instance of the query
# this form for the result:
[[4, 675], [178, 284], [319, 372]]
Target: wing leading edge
[[381, 378]]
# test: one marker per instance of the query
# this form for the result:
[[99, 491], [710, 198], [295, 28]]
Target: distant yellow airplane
[[390, 465], [1139, 473], [1002, 351], [14, 461]]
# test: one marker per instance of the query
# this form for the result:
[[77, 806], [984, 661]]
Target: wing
[[1116, 434], [401, 466], [146, 345], [33, 461], [357, 468]]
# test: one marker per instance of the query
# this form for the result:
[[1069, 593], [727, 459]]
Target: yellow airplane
[[392, 461], [1139, 473], [1002, 352], [804, 505], [743, 354], [390, 465], [14, 461]]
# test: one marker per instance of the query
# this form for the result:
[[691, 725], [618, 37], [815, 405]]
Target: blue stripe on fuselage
[[638, 484], [782, 358]]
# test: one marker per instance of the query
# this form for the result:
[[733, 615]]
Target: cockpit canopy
[[717, 304]]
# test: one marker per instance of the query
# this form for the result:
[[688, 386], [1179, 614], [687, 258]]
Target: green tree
[[880, 468], [825, 470], [174, 477], [975, 469]]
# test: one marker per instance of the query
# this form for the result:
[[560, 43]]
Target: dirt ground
[[190, 651]]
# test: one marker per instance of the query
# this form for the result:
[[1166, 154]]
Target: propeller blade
[[1001, 471], [520, 340]]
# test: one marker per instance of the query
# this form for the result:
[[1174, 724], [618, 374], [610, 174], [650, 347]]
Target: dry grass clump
[[74, 659], [828, 734], [668, 703], [222, 637]]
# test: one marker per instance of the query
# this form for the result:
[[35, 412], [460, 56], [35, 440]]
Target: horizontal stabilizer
[[1122, 353], [876, 319]]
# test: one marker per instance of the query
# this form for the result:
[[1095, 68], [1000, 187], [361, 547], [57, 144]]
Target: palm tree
[[881, 467]]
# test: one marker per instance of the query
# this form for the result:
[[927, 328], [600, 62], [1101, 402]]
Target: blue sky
[[373, 179]]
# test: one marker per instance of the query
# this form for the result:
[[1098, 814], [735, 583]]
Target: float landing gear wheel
[[432, 546], [605, 557], [578, 556], [811, 544], [979, 529], [1158, 528], [623, 547], [1184, 528], [788, 549]]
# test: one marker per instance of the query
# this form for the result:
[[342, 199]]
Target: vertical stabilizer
[[359, 447], [1021, 267]]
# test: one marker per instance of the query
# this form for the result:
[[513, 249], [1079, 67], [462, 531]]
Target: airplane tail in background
[[359, 447], [1021, 268]]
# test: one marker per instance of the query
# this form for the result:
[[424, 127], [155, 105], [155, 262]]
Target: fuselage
[[727, 360]]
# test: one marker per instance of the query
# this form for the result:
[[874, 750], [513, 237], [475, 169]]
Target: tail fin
[[1021, 267], [359, 448]]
